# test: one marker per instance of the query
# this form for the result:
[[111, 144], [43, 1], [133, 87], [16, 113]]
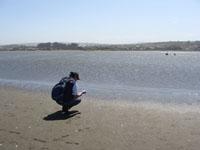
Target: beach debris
[[16, 145], [29, 127], [16, 127], [1, 144]]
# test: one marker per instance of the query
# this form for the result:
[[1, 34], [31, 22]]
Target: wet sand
[[32, 121]]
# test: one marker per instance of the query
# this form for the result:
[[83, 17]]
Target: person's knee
[[77, 102]]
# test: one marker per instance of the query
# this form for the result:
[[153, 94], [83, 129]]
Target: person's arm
[[75, 93]]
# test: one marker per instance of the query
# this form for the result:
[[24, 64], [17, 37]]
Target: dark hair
[[74, 75]]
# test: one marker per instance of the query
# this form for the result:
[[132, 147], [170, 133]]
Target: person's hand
[[84, 92]]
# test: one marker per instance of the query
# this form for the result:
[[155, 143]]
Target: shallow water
[[135, 76]]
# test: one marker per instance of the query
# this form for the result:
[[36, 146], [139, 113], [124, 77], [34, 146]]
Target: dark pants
[[69, 104]]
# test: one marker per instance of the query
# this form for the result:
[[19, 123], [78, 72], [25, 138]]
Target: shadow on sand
[[59, 115]]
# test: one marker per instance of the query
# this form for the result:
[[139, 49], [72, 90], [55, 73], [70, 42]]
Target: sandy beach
[[32, 121]]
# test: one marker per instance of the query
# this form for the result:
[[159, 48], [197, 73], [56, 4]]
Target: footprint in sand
[[14, 132], [39, 140], [2, 130], [44, 148], [64, 136], [10, 115], [79, 130], [87, 128], [61, 138], [74, 143]]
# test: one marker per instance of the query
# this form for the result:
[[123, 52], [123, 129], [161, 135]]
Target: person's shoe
[[65, 110]]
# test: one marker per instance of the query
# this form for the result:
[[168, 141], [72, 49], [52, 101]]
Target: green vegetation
[[156, 46]]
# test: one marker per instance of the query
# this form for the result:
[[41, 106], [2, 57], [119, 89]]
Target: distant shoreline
[[156, 46], [103, 50]]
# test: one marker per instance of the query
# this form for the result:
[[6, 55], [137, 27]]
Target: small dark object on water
[[166, 54], [174, 54]]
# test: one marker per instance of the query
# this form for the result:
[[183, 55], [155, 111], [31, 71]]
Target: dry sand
[[32, 121]]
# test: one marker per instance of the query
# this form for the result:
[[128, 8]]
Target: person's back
[[68, 88]]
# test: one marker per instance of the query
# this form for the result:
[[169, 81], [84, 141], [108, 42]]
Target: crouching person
[[71, 95]]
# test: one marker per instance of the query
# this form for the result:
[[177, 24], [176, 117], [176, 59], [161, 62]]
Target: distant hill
[[154, 46]]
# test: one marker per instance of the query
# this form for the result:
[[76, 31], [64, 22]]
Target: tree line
[[57, 46]]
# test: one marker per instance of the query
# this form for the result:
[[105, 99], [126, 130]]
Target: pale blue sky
[[98, 21]]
